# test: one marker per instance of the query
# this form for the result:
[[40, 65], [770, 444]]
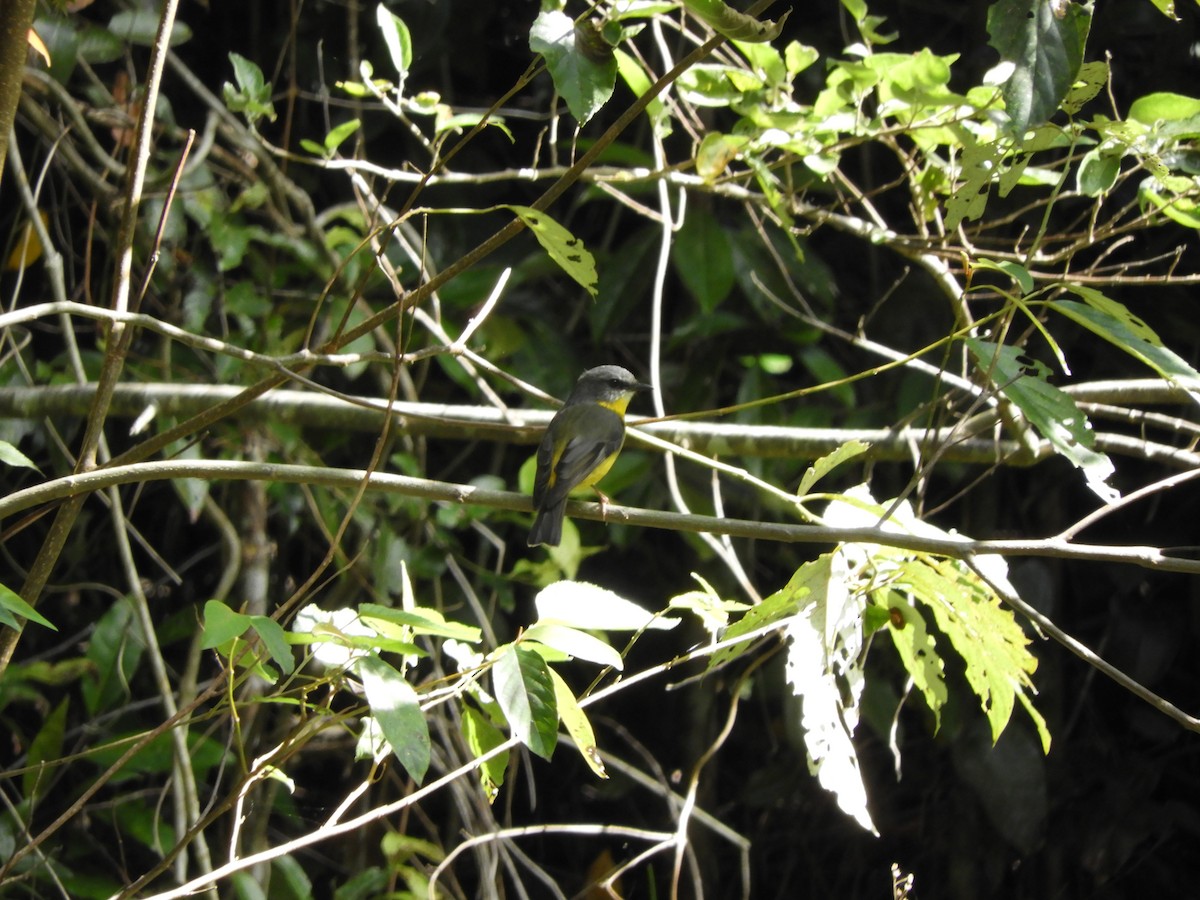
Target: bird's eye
[[614, 382]]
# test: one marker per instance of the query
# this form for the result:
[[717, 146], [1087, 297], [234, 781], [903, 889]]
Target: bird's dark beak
[[642, 388]]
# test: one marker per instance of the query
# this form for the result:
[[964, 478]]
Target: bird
[[580, 445]]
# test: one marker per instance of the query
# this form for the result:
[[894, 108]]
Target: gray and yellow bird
[[580, 445]]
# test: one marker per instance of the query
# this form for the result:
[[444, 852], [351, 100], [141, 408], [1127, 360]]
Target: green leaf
[[482, 736], [339, 133], [274, 638], [158, 756], [703, 258], [586, 84], [252, 96], [46, 747], [638, 82], [397, 709], [827, 463], [1051, 411], [115, 649], [574, 643], [526, 696], [1117, 325], [420, 619], [1044, 42], [1089, 82], [985, 634], [726, 20], [397, 38], [11, 602], [141, 25], [1015, 271], [783, 604], [582, 605], [1167, 8], [10, 455], [1163, 107], [564, 248], [1098, 171], [576, 722], [918, 653], [222, 624]]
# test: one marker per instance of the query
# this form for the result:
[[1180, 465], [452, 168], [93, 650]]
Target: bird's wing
[[579, 457]]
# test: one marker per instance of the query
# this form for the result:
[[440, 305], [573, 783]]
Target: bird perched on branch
[[580, 445]]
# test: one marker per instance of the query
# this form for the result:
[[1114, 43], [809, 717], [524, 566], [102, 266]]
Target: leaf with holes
[[564, 248], [1043, 40]]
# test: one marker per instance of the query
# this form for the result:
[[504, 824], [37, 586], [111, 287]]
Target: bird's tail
[[547, 527]]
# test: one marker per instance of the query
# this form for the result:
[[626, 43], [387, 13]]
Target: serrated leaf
[[583, 605], [397, 709], [918, 653], [576, 722], [824, 668], [1051, 411], [574, 643], [11, 602], [526, 695], [984, 633], [827, 463], [564, 248], [585, 84], [1044, 42], [482, 736], [1117, 325]]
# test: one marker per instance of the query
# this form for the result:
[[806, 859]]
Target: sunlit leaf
[[397, 709], [13, 603], [585, 84], [526, 695], [1044, 42], [576, 722], [564, 248]]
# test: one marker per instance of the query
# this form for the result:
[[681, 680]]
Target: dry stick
[[119, 337]]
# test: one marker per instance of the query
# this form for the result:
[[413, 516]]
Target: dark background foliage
[[1111, 812]]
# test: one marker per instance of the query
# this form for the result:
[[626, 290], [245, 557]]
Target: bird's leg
[[604, 502]]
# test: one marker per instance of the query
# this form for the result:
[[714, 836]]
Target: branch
[[76, 485], [333, 409]]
